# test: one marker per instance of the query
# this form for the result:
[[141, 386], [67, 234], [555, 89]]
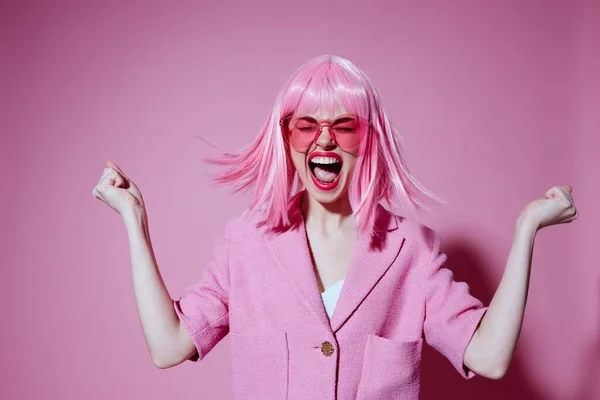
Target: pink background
[[496, 102]]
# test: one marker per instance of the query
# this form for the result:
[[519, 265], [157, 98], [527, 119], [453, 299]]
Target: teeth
[[324, 160]]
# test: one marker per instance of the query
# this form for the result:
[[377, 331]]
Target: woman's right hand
[[118, 191]]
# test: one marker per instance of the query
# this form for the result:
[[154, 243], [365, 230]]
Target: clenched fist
[[557, 207], [118, 191]]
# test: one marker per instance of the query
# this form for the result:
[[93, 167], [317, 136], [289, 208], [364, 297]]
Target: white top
[[330, 296]]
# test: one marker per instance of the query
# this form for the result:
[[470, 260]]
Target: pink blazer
[[261, 289]]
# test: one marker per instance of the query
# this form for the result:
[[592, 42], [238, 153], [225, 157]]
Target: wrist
[[135, 218], [526, 225]]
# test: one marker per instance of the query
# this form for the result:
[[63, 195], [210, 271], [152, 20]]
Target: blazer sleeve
[[451, 314], [204, 306]]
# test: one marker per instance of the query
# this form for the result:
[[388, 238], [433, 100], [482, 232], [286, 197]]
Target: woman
[[325, 293]]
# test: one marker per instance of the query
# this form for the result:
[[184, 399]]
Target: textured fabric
[[331, 295], [260, 288]]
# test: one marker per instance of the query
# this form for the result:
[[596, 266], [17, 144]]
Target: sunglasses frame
[[284, 122]]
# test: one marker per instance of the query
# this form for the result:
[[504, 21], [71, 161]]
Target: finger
[[115, 179], [565, 192], [567, 216], [102, 179], [99, 192], [119, 181], [559, 193], [132, 187], [569, 190], [554, 191], [110, 164], [568, 213], [111, 178], [570, 218]]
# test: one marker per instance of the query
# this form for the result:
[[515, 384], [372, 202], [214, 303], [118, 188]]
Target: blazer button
[[326, 348]]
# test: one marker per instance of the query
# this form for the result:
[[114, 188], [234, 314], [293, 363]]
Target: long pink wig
[[380, 174]]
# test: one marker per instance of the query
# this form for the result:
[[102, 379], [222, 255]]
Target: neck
[[326, 218]]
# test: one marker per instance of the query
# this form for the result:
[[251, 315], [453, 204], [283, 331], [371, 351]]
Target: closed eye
[[344, 129]]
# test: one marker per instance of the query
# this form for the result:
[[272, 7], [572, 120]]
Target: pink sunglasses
[[346, 131]]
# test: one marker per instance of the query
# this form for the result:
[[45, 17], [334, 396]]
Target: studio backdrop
[[496, 101]]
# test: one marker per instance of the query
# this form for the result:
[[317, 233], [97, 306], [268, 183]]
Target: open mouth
[[325, 169]]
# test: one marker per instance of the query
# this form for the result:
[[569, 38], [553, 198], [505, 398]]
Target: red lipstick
[[325, 186]]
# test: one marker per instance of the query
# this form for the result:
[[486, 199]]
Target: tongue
[[324, 175]]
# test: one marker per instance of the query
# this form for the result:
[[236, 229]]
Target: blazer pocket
[[259, 366], [391, 369]]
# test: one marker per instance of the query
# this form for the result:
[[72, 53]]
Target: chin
[[325, 197]]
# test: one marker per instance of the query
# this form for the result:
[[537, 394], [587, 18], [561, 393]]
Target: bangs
[[327, 86]]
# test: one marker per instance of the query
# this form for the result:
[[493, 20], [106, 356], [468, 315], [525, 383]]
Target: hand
[[118, 191], [556, 208]]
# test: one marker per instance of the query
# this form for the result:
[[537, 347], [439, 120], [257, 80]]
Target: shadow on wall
[[589, 388], [439, 380]]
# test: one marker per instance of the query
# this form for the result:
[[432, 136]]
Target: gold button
[[326, 348]]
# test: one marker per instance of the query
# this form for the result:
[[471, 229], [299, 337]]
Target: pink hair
[[380, 173]]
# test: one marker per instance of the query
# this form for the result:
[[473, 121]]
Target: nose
[[325, 141]]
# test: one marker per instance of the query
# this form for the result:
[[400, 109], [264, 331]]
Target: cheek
[[299, 161], [350, 164]]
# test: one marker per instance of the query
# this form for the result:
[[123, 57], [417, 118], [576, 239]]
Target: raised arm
[[166, 337], [491, 349]]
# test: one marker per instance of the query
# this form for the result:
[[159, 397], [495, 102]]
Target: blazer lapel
[[373, 256], [290, 251]]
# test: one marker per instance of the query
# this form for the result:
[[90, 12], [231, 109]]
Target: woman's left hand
[[556, 208]]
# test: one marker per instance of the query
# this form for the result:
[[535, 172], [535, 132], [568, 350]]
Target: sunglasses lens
[[303, 132], [347, 132]]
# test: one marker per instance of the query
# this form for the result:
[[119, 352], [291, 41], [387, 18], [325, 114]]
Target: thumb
[[117, 181]]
